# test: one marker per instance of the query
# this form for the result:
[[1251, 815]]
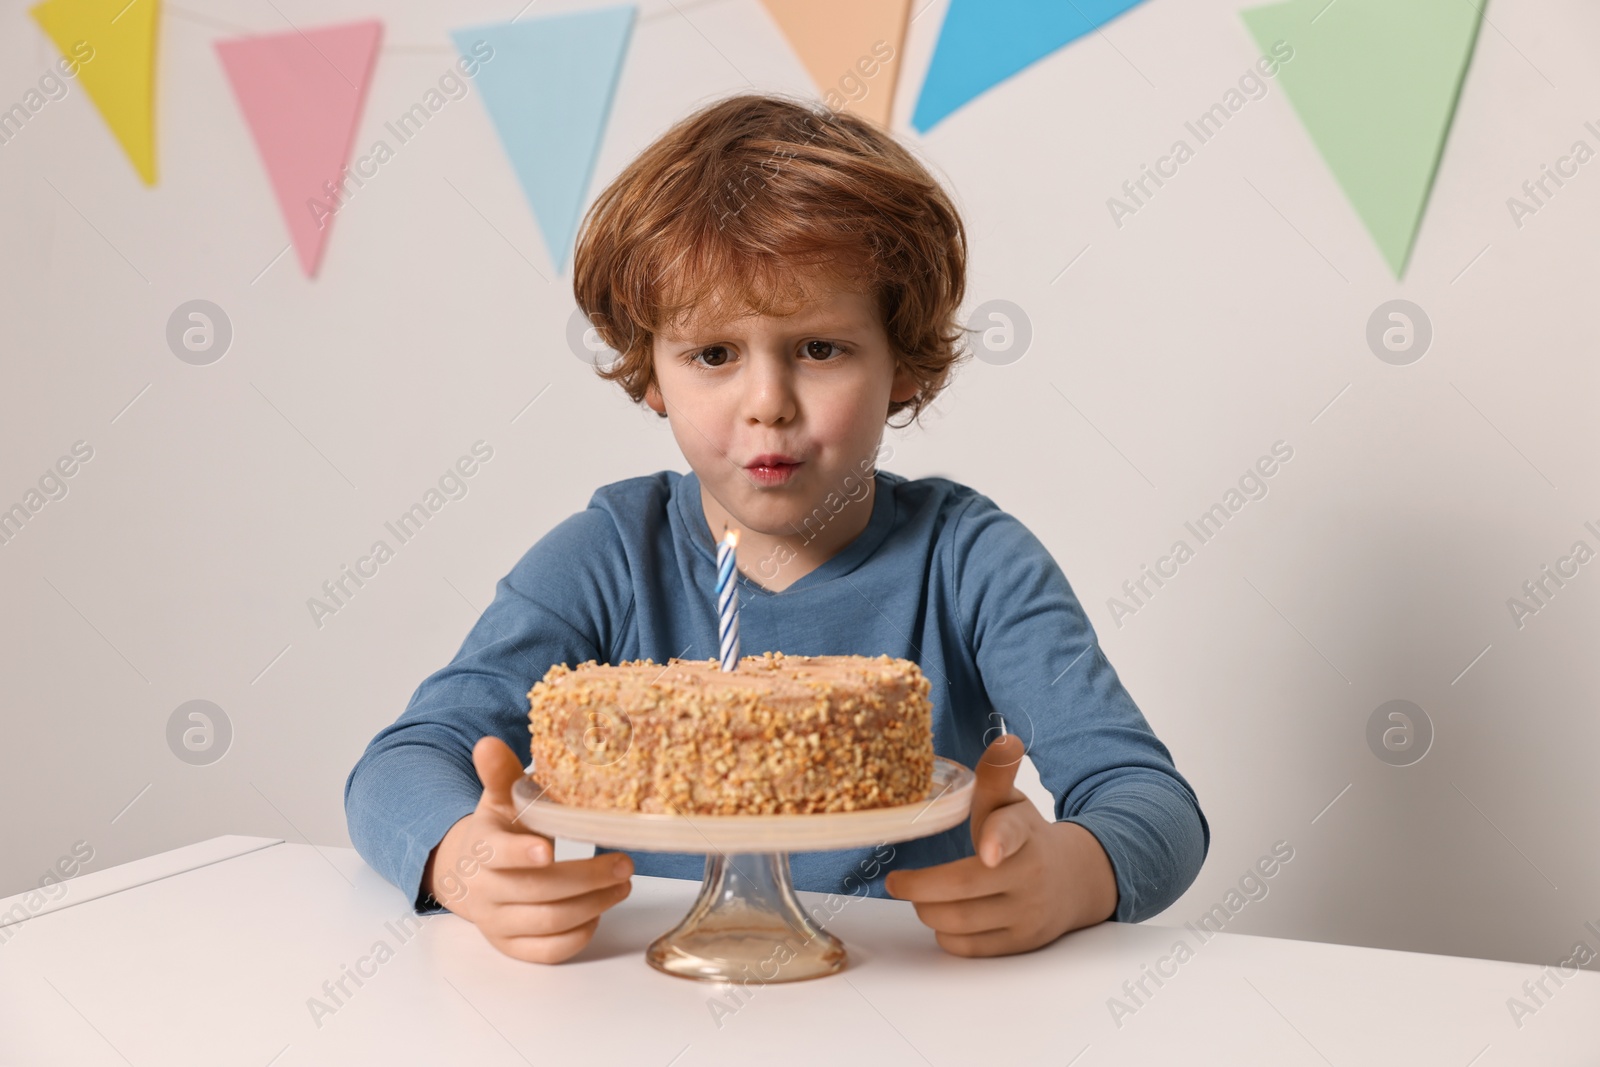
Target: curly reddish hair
[[754, 203]]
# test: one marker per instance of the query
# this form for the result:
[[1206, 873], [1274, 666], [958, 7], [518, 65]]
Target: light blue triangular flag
[[984, 42], [548, 88]]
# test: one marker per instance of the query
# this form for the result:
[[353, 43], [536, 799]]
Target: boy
[[779, 281]]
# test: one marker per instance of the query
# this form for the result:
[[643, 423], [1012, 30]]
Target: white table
[[210, 954]]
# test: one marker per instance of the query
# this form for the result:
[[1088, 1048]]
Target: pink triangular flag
[[301, 93]]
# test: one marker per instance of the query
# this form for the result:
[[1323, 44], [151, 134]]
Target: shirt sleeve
[[1041, 666], [565, 601]]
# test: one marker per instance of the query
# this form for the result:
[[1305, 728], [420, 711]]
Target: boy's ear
[[652, 396], [904, 386]]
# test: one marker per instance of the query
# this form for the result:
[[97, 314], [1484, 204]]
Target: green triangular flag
[[1375, 82]]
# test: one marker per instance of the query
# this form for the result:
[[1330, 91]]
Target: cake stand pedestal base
[[747, 924]]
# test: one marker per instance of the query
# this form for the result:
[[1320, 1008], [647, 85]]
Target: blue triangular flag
[[548, 88], [984, 42]]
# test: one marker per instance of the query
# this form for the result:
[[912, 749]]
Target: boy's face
[[814, 386]]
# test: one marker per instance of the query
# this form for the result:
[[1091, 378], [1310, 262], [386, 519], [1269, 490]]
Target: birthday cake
[[778, 735]]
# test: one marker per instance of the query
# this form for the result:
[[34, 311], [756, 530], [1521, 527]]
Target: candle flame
[[733, 538]]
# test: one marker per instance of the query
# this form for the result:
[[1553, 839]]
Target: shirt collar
[[690, 517]]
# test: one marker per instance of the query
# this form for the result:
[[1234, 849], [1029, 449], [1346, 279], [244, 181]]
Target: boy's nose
[[769, 391]]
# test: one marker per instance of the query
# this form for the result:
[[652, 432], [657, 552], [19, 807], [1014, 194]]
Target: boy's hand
[[1031, 881], [503, 878]]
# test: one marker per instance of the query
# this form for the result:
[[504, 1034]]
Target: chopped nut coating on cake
[[780, 735]]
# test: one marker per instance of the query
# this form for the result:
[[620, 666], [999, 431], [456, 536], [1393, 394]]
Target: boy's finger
[[560, 881], [557, 917], [514, 848], [989, 943], [1004, 832], [996, 774], [553, 949], [997, 912], [497, 769], [961, 879]]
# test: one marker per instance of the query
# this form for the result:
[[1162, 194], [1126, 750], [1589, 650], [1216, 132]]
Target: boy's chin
[[768, 511], [776, 512]]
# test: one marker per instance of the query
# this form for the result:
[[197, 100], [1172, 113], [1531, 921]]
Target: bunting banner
[[984, 42], [549, 93], [301, 92], [120, 39], [851, 49], [1375, 83]]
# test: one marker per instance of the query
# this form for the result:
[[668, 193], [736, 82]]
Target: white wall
[[1224, 317]]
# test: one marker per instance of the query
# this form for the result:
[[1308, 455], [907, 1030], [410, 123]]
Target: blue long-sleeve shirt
[[940, 576]]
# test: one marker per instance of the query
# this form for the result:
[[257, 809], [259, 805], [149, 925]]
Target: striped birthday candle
[[728, 599]]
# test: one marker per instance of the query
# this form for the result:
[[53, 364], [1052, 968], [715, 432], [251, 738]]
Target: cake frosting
[[779, 735]]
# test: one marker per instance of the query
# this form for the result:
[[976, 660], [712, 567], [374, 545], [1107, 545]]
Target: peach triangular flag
[[301, 93], [851, 49], [119, 39]]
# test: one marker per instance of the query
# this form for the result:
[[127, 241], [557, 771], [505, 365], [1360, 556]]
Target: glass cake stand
[[747, 920]]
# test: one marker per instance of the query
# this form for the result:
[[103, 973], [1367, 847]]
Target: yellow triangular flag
[[119, 76], [851, 48]]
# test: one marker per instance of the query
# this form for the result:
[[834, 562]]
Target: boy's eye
[[713, 361], [821, 348]]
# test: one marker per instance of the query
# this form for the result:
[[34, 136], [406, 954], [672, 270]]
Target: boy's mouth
[[772, 468]]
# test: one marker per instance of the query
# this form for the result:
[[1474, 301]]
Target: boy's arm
[[565, 601], [1043, 670]]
